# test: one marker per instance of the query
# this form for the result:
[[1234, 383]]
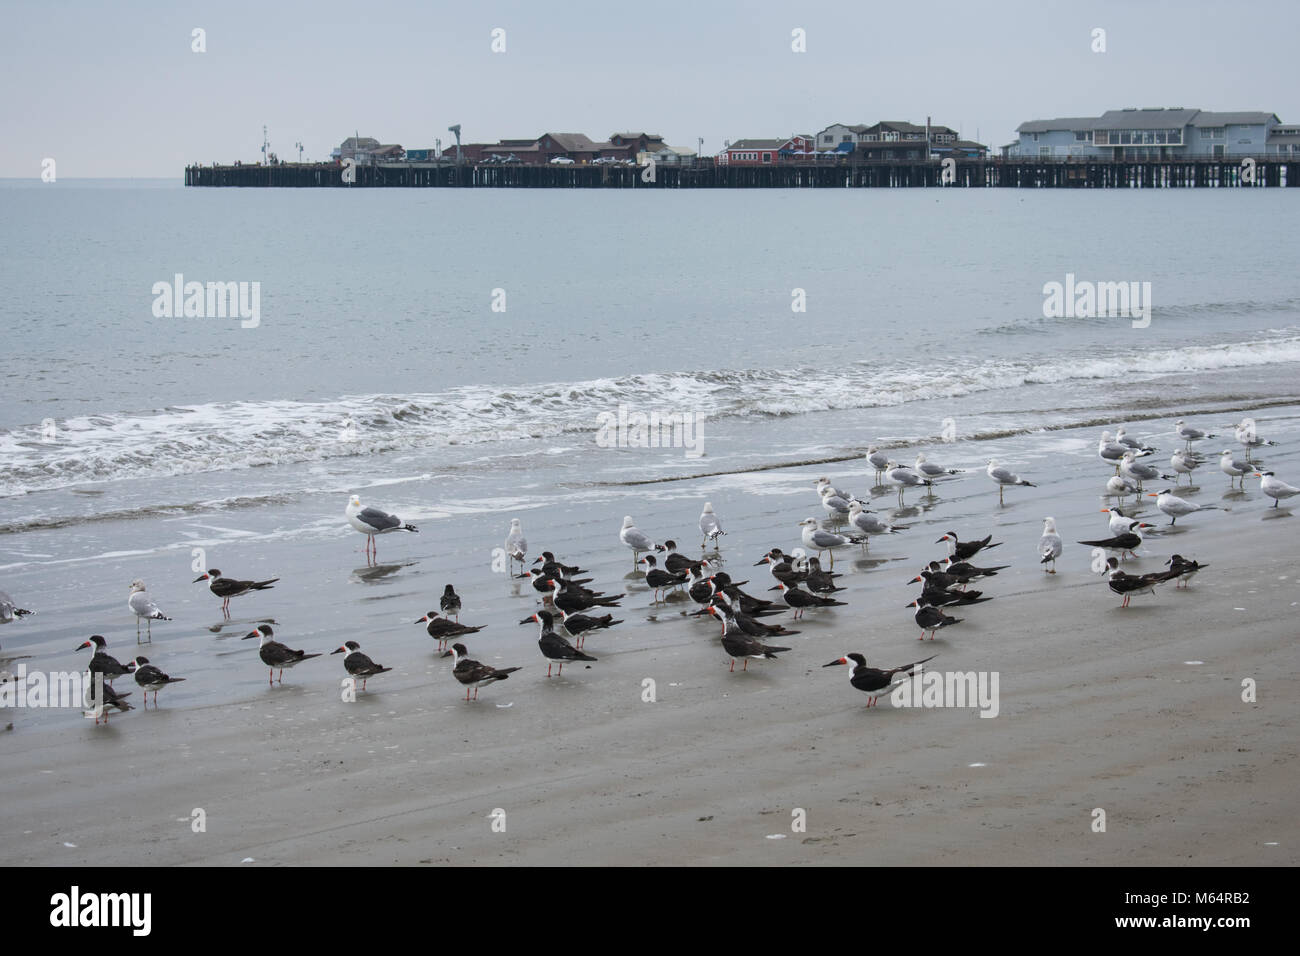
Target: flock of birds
[[571, 611]]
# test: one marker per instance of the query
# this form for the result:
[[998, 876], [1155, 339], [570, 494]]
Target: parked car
[[561, 161]]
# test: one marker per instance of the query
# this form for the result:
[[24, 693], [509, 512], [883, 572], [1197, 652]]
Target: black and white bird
[[744, 623], [150, 678], [1127, 585], [677, 563], [358, 664], [1049, 545], [873, 681], [372, 522], [1126, 543], [800, 600], [516, 546], [227, 588], [965, 550], [471, 673], [108, 698], [100, 661], [554, 647], [738, 644], [966, 570], [554, 569], [9, 611], [572, 597], [819, 581], [1003, 477], [1274, 487], [579, 625], [710, 527], [449, 603], [1182, 570], [442, 630], [659, 579], [144, 609], [275, 655], [930, 618], [1176, 507]]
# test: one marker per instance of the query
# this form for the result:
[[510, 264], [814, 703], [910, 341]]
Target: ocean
[[451, 356]]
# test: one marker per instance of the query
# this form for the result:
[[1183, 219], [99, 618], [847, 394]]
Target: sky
[[115, 89]]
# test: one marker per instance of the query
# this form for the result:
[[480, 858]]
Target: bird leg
[[732, 668]]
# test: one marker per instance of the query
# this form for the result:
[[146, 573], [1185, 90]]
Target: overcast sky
[[114, 89]]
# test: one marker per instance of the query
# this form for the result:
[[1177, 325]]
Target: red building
[[768, 152]]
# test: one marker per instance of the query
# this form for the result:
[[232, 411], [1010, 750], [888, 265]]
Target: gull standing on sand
[[1234, 469], [1184, 463], [868, 523], [1003, 477], [878, 460], [634, 538], [1189, 434], [1138, 471], [1176, 507], [815, 539], [1111, 451], [372, 521], [836, 506], [516, 547], [1121, 436], [1249, 438], [903, 477], [928, 469], [143, 608], [824, 485], [1120, 487], [709, 526], [1049, 545], [1274, 487]]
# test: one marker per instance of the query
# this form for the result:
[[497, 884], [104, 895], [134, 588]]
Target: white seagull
[[931, 470], [516, 546], [1176, 507], [1002, 477], [143, 608], [1189, 434], [634, 538], [814, 539], [1049, 546], [863, 520], [372, 521], [878, 460], [1184, 463], [903, 478], [1234, 469], [1274, 487], [709, 526]]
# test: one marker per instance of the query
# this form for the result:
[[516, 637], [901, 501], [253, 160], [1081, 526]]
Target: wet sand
[[1099, 707]]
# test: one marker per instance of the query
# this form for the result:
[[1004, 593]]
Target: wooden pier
[[1015, 173]]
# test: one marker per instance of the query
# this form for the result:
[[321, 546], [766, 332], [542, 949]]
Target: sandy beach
[[1137, 711]]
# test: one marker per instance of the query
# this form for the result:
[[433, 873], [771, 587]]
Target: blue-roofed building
[[1151, 133]]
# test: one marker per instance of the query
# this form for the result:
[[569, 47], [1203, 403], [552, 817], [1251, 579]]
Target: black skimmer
[[572, 598], [800, 600], [965, 550], [579, 624], [372, 521], [1274, 487], [1189, 434], [699, 588], [745, 602], [358, 664], [1126, 585], [100, 662], [941, 597], [516, 547], [1049, 545], [709, 525], [931, 576], [903, 477], [658, 578], [547, 561], [443, 630], [450, 603], [472, 673], [819, 581], [541, 577], [109, 698], [930, 618], [1003, 477], [275, 655], [10, 611], [675, 563], [815, 539], [928, 469], [871, 680], [1182, 570], [742, 622], [964, 569], [553, 646], [739, 644], [227, 588], [1126, 543], [782, 566], [150, 678], [1176, 507], [634, 538], [143, 608]]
